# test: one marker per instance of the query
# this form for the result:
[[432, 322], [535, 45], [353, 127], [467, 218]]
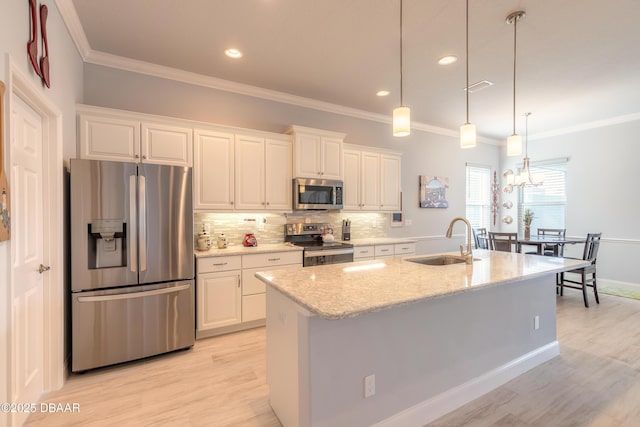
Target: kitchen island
[[417, 340]]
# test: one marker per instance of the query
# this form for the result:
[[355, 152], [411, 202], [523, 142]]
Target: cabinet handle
[[364, 252], [263, 203], [137, 157], [274, 259], [384, 250], [231, 202], [238, 281], [267, 203], [404, 249], [144, 157], [221, 263]]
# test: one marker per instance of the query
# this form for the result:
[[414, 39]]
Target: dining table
[[540, 241]]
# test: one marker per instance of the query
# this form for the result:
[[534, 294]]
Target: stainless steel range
[[317, 251]]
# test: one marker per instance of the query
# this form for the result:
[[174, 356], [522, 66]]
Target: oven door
[[327, 256]]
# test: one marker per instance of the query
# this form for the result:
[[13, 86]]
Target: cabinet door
[[213, 172], [352, 190], [370, 181], [167, 145], [278, 176], [390, 182], [384, 251], [107, 138], [307, 156], [250, 172], [254, 307], [219, 300], [331, 158]]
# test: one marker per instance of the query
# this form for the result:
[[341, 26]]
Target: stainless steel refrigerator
[[132, 268]]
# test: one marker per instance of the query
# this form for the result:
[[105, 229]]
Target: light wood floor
[[221, 382]]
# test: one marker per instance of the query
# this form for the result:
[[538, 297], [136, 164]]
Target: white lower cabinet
[[401, 250], [219, 298], [229, 296], [363, 253], [384, 251]]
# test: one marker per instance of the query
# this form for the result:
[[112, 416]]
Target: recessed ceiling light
[[233, 53], [382, 93], [446, 60]]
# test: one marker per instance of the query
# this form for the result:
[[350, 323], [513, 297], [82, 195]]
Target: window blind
[[547, 201], [478, 199]]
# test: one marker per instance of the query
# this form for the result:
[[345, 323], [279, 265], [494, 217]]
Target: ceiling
[[575, 57]]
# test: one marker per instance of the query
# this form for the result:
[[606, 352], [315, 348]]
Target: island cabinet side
[[428, 357]]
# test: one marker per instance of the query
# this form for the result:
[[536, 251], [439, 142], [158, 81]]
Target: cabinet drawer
[[254, 307], [384, 251], [218, 263], [404, 248], [250, 283], [272, 259], [363, 252]]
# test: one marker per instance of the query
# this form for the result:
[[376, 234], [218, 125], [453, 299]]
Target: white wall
[[65, 92], [423, 153], [602, 175]]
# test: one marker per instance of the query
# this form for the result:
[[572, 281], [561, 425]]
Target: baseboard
[[437, 406], [607, 283]]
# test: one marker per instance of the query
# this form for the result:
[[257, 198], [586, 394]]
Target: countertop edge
[[358, 312], [241, 250]]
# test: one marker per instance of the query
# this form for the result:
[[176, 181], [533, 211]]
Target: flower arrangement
[[528, 217]]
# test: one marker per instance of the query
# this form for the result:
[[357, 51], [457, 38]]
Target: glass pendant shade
[[401, 121], [467, 135], [514, 145]]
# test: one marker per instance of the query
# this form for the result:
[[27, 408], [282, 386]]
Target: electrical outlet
[[536, 323], [369, 385], [408, 222]]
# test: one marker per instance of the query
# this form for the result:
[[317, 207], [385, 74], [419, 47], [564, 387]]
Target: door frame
[[54, 368]]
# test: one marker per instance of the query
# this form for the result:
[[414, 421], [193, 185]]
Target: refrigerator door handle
[[133, 222], [142, 209], [135, 294]]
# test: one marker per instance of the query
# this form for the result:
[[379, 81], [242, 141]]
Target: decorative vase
[[527, 232]]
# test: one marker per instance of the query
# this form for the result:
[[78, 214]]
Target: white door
[[331, 158], [351, 196], [219, 299], [390, 182], [370, 173], [27, 256]]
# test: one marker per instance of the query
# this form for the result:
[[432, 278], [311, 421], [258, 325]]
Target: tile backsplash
[[269, 227]]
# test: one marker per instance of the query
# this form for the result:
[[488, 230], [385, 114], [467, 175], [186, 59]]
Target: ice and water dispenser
[[107, 243]]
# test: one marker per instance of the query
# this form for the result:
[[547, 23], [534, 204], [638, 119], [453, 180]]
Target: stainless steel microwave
[[315, 194]]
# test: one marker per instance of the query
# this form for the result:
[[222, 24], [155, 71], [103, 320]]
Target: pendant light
[[401, 114], [525, 177], [467, 130], [514, 142]]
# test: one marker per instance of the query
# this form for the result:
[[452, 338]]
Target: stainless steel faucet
[[468, 254]]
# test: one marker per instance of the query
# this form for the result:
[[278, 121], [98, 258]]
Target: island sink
[[439, 260]]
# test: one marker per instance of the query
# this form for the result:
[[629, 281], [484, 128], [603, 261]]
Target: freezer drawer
[[119, 325]]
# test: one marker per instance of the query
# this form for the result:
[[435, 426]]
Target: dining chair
[[480, 237], [588, 273], [504, 242], [560, 233]]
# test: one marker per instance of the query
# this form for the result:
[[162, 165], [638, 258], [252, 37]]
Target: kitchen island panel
[[466, 342]]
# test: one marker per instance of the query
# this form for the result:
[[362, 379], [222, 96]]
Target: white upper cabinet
[[351, 192], [263, 177], [166, 144], [213, 170], [371, 179], [278, 174], [390, 182], [108, 138], [317, 153], [106, 134], [250, 173]]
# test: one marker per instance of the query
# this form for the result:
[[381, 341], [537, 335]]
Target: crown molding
[[586, 126], [70, 18]]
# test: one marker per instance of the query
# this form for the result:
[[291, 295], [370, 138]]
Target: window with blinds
[[547, 201], [478, 200]]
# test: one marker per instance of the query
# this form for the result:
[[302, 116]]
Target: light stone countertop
[[380, 241], [339, 291], [241, 250]]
